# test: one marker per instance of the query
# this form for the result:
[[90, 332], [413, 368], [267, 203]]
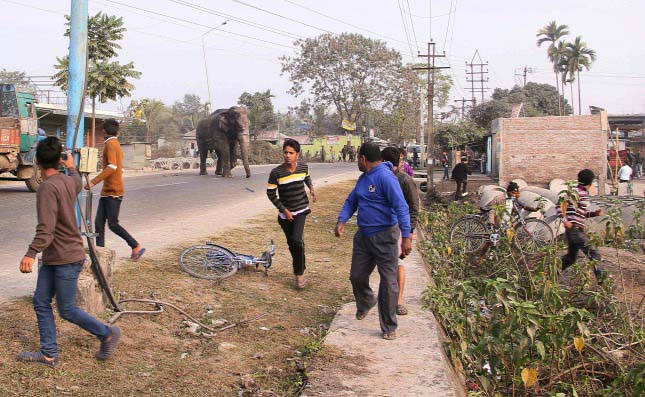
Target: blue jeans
[[61, 281]]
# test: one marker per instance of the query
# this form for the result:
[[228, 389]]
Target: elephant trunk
[[244, 148]]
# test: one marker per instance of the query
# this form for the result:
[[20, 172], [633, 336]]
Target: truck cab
[[19, 136]]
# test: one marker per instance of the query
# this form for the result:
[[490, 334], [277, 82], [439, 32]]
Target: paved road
[[159, 210]]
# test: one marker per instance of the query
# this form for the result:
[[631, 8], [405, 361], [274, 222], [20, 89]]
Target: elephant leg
[[226, 164], [203, 155], [233, 154], [218, 167]]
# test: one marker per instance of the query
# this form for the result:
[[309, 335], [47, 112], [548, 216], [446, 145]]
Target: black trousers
[[108, 210], [577, 240], [294, 232], [461, 188]]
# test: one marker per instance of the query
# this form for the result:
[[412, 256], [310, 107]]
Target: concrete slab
[[411, 365]]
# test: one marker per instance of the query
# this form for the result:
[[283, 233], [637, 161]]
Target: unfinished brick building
[[539, 149]]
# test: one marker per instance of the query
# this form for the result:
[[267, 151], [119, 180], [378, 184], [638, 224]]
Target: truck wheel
[[36, 179]]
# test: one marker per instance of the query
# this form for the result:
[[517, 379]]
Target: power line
[[198, 24], [431, 17], [237, 19], [405, 27], [281, 16], [429, 20], [343, 22], [447, 26], [414, 33]]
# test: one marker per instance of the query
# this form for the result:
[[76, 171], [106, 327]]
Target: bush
[[262, 152], [516, 329]]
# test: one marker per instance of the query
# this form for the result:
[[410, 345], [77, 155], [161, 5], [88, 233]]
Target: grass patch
[[157, 356]]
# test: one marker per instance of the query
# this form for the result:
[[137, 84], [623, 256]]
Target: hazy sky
[[169, 54]]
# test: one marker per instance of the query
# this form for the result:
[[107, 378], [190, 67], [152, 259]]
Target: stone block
[[89, 295]]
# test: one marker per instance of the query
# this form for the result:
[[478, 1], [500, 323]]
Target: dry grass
[[149, 360]]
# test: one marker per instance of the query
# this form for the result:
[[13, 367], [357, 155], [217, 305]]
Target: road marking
[[170, 184]]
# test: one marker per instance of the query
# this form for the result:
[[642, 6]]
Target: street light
[[208, 85]]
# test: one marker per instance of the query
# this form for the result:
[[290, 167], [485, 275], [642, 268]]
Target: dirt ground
[[158, 355]]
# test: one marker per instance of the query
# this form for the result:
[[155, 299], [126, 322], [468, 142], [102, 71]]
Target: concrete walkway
[[411, 365]]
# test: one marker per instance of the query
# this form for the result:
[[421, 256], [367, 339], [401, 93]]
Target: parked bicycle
[[215, 262], [529, 235]]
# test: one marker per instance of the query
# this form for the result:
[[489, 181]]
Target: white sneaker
[[464, 194]]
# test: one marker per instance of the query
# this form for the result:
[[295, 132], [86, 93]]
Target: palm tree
[[558, 54], [565, 77], [105, 80], [579, 56], [551, 33]]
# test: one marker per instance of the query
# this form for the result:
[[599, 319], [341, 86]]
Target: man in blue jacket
[[382, 212]]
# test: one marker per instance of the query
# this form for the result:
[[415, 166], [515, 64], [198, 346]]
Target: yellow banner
[[348, 125]]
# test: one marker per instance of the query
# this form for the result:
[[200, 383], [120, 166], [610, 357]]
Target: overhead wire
[[405, 28], [281, 16], [237, 19], [344, 22], [414, 33], [447, 26], [199, 24]]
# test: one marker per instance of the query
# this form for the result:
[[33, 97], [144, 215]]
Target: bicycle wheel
[[210, 262], [534, 235], [469, 232]]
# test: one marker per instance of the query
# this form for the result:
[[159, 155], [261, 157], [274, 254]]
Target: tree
[[578, 56], [538, 100], [399, 119], [551, 33], [18, 79], [452, 135], [105, 80], [160, 120], [260, 107], [349, 71], [190, 110]]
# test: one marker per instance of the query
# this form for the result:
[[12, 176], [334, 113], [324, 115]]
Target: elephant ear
[[222, 122]]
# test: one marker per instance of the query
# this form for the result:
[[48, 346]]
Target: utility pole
[[463, 105], [75, 126], [477, 79], [430, 68], [524, 71]]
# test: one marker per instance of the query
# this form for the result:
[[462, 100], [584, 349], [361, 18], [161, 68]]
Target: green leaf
[[539, 346]]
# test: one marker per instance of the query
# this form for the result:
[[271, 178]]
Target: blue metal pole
[[77, 60], [76, 80]]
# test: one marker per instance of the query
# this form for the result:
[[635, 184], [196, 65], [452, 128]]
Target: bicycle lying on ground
[[530, 235], [215, 262]]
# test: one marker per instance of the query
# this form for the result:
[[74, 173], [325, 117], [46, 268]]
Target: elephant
[[221, 132]]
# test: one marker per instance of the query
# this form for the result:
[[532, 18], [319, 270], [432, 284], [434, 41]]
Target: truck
[[19, 136]]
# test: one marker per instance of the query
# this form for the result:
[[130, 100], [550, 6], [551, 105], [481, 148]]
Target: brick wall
[[539, 149], [560, 123]]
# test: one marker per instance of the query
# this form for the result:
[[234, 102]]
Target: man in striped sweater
[[286, 190], [574, 222]]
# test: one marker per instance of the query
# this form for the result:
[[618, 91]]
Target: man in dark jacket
[[411, 195], [460, 175], [382, 213]]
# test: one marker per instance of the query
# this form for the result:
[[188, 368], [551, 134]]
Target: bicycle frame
[[264, 260]]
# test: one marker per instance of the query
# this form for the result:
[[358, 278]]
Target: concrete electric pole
[[430, 68]]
